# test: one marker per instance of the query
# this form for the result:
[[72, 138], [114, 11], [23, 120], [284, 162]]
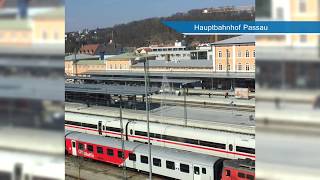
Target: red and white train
[[178, 164], [212, 142]]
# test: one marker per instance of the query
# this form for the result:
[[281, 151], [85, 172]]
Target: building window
[[220, 66], [247, 53], [239, 67], [279, 14], [239, 53], [228, 53], [263, 8], [254, 53], [44, 35], [303, 38], [247, 67], [56, 35], [229, 67], [219, 54], [302, 6]]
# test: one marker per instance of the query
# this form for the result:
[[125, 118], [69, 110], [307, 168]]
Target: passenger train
[[172, 163], [24, 165], [212, 142]]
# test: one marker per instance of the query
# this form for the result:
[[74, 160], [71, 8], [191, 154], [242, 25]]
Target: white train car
[[212, 142], [30, 166], [167, 162]]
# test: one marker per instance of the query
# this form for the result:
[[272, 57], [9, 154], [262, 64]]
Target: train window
[[228, 173], [212, 144], [155, 135], [99, 150], [184, 168], [170, 165], [192, 141], [171, 138], [132, 156], [196, 170], [140, 133], [144, 159], [113, 129], [131, 131], [90, 125], [110, 152], [5, 175], [204, 171], [90, 148], [230, 147], [250, 177], [73, 144], [241, 175], [157, 162], [73, 123], [120, 154], [80, 146], [103, 127], [245, 150]]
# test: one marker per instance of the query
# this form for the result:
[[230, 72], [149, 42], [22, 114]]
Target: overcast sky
[[91, 14]]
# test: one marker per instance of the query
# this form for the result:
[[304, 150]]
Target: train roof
[[244, 164], [156, 151]]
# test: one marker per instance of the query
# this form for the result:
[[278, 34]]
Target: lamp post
[[122, 139], [146, 88]]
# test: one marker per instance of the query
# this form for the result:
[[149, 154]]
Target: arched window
[[247, 53]]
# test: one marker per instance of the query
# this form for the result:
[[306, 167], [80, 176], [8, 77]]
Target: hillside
[[152, 31]]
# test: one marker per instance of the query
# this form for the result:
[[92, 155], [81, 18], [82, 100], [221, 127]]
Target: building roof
[[89, 47], [175, 74], [180, 63], [73, 57], [56, 13], [297, 54], [128, 56], [34, 3], [91, 62], [14, 25], [245, 39]]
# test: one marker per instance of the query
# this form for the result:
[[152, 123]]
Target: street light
[[146, 84], [122, 139]]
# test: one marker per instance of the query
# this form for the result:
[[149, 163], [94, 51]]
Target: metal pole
[[122, 140], [185, 105], [146, 84]]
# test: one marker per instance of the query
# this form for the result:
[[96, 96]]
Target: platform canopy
[[109, 89]]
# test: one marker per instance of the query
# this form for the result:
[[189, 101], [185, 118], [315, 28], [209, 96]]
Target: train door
[[196, 172], [73, 147], [100, 127], [230, 148]]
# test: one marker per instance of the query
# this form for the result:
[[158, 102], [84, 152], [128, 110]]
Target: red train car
[[238, 169]]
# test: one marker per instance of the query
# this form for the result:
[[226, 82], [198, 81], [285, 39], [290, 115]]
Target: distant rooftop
[[56, 13], [73, 57], [129, 56], [237, 40]]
